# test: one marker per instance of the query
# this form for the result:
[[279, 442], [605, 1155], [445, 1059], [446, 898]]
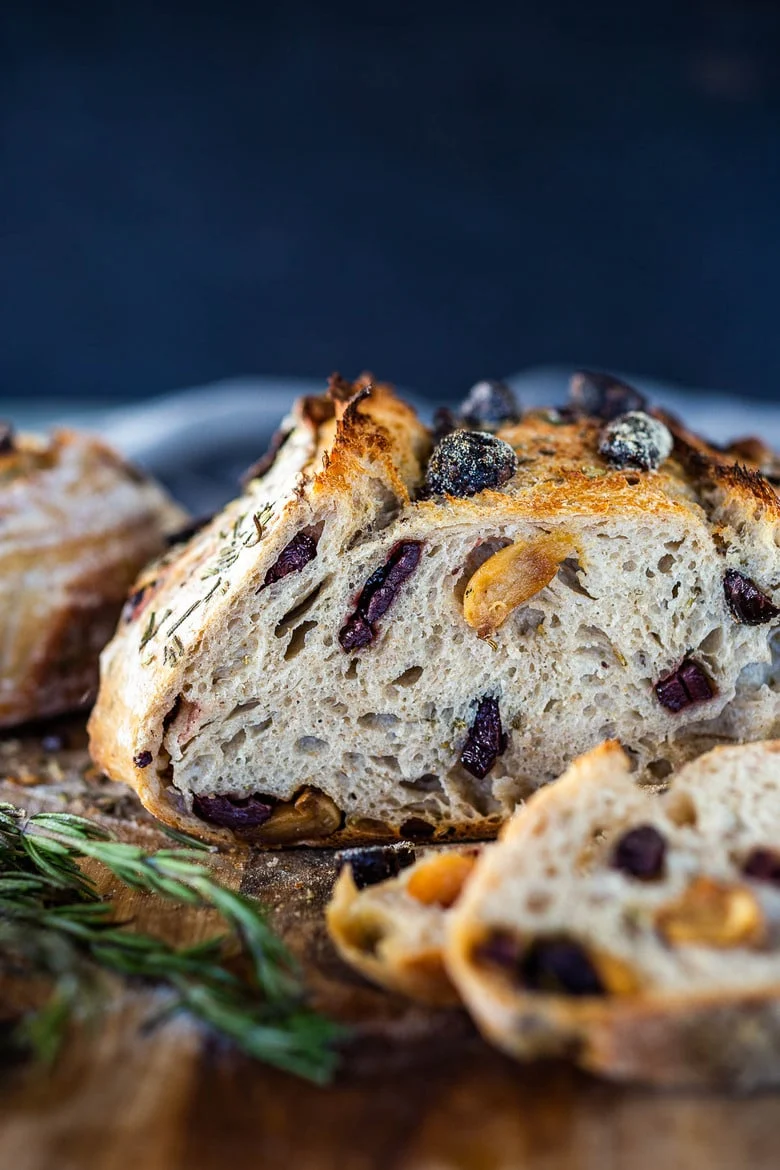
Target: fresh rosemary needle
[[54, 925]]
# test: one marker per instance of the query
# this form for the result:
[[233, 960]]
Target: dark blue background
[[437, 192]]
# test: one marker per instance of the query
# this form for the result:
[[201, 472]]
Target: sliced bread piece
[[377, 641], [78, 523], [637, 934], [392, 928]]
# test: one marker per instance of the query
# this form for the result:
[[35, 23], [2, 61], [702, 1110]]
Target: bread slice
[[77, 525], [637, 934], [371, 644], [393, 931]]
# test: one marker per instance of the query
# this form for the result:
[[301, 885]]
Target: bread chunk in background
[[638, 934], [401, 633], [76, 525]]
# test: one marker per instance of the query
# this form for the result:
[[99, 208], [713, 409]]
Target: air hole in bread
[[231, 746], [666, 563], [241, 709], [527, 620], [298, 640], [415, 828], [389, 763], [364, 934], [569, 575], [480, 553], [713, 643], [409, 677], [659, 769], [428, 782], [474, 793], [352, 669], [378, 722], [311, 745], [293, 616]]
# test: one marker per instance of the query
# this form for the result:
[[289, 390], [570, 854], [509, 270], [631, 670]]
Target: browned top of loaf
[[357, 434]]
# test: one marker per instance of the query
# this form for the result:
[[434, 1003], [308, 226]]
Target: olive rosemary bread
[[401, 632], [638, 934], [387, 915], [77, 525]]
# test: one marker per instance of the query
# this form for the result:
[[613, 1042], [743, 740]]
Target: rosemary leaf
[[53, 924]]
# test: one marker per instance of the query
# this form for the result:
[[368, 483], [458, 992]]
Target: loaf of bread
[[637, 934], [400, 633], [77, 525]]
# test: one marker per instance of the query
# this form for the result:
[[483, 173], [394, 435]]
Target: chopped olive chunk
[[746, 601], [640, 853]]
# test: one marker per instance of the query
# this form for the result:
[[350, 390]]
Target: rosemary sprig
[[245, 985]]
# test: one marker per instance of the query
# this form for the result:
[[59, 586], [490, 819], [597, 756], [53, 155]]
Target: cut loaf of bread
[[366, 646], [76, 525], [637, 934]]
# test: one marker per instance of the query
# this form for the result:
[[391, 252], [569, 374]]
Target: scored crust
[[701, 1009], [230, 681], [77, 525]]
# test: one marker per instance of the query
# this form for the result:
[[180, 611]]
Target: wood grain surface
[[418, 1089]]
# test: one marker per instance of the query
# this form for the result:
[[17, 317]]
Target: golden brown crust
[[357, 435], [77, 524]]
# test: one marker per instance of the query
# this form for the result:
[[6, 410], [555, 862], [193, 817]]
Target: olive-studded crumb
[[499, 949], [559, 966], [142, 759], [489, 404], [602, 395], [636, 440], [746, 601], [294, 556], [486, 740], [466, 462], [378, 594], [762, 865], [377, 863], [687, 685], [235, 813], [640, 853]]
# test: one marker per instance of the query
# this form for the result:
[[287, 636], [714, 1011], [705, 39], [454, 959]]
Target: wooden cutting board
[[418, 1090]]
